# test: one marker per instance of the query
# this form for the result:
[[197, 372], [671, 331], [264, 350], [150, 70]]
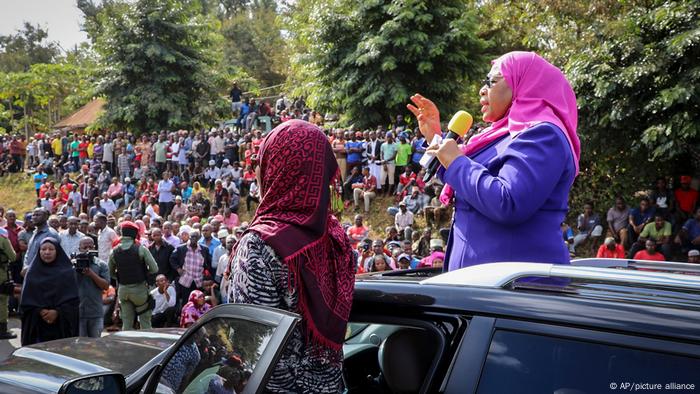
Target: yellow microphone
[[460, 123]]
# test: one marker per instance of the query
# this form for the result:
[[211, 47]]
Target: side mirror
[[98, 383]]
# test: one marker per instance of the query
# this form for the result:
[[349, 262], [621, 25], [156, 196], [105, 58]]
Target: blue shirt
[[418, 150], [38, 179], [692, 226], [510, 200], [354, 157], [640, 217], [212, 246]]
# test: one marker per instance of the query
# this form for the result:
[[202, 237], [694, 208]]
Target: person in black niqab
[[50, 300]]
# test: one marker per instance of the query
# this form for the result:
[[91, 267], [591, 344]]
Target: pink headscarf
[[541, 94]]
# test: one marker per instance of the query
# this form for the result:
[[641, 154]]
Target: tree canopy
[[159, 71], [365, 59]]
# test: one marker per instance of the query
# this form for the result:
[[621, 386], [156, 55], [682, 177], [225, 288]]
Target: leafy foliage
[[159, 71], [253, 43], [365, 59], [28, 46]]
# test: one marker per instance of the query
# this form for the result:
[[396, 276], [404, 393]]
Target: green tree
[[160, 71], [254, 43], [365, 59], [26, 47]]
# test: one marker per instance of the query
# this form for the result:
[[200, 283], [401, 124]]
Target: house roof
[[85, 116]]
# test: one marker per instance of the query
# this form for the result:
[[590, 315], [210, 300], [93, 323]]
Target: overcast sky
[[61, 17]]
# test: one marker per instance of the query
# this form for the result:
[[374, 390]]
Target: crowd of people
[[171, 201], [663, 225]]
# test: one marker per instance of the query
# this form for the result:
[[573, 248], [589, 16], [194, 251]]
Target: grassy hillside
[[17, 192]]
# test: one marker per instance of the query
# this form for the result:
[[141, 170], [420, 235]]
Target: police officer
[[7, 256], [131, 263]]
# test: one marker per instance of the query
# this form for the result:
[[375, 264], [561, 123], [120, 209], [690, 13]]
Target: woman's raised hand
[[427, 114]]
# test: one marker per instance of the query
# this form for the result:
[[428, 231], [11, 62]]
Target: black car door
[[233, 345]]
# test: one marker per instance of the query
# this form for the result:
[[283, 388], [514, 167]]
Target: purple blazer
[[510, 200]]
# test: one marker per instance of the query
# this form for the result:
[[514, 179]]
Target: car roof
[[633, 301], [46, 366]]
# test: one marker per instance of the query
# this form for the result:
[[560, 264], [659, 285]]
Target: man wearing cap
[[131, 264], [219, 250], [611, 250], [436, 253], [388, 162], [211, 174], [403, 221], [694, 256], [686, 198]]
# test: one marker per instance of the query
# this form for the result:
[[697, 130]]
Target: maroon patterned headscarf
[[297, 167]]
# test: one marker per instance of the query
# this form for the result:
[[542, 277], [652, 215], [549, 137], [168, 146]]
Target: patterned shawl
[[297, 168]]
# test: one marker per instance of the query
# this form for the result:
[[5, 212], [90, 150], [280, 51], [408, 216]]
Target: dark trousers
[[165, 319], [165, 208], [250, 199]]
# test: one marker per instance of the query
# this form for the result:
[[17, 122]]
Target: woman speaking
[[511, 182]]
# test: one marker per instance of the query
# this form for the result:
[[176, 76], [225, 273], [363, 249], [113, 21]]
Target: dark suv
[[593, 327]]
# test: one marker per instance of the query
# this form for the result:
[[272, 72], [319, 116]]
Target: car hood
[[46, 366]]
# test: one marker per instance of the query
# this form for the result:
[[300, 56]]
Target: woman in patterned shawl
[[194, 309], [295, 256]]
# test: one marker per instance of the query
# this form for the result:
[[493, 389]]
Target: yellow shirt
[[91, 150], [57, 147]]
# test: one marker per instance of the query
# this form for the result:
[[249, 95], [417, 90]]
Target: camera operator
[[93, 279], [7, 256]]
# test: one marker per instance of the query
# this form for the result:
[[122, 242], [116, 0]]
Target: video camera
[[82, 260]]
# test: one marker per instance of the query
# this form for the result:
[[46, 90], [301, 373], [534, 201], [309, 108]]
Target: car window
[[219, 357], [354, 329], [528, 363]]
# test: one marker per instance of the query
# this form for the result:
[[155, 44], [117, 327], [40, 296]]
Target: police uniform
[[7, 255], [131, 263]]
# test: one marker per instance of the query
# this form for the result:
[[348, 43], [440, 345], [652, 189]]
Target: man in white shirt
[[404, 221], [105, 238], [107, 204], [70, 239], [212, 173], [164, 311], [166, 187]]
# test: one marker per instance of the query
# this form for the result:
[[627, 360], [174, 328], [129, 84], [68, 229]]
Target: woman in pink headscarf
[[510, 183]]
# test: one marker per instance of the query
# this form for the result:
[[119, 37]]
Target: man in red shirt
[[611, 250], [687, 199], [83, 150], [367, 189], [649, 253], [358, 232]]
